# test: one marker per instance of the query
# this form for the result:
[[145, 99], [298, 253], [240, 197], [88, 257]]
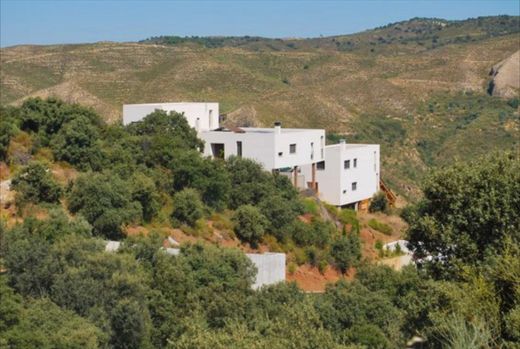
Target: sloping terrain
[[396, 85], [506, 77]]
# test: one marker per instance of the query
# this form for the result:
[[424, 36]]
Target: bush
[[249, 224], [187, 207], [105, 201], [346, 251], [279, 213], [35, 184], [379, 203], [348, 216], [380, 227]]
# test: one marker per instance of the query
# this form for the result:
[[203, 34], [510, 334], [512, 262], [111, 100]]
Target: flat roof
[[268, 130], [349, 145], [170, 103]]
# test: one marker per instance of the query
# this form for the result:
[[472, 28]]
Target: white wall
[[335, 182], [200, 116], [270, 266], [255, 146], [264, 145]]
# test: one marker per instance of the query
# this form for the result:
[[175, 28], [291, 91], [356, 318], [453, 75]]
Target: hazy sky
[[48, 22]]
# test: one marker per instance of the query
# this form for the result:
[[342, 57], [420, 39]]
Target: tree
[[34, 184], [8, 128], [209, 177], [249, 224], [105, 201], [468, 211], [145, 192], [172, 125], [250, 184], [379, 203], [46, 117], [346, 251], [76, 143], [279, 213], [187, 207], [129, 326]]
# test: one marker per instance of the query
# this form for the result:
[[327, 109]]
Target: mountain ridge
[[390, 92]]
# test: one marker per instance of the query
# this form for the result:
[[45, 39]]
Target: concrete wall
[[271, 268], [335, 182], [255, 146], [268, 147], [200, 116]]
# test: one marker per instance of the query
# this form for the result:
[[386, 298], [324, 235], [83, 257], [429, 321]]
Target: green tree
[[468, 211], [76, 143], [105, 201], [145, 192], [346, 251], [249, 224], [379, 203], [187, 207], [35, 184]]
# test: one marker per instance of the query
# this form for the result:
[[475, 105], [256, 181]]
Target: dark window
[[320, 165], [346, 164], [239, 148], [292, 148], [280, 153], [344, 191], [355, 163], [354, 186]]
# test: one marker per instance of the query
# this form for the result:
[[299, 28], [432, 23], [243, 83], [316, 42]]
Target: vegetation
[[60, 288], [379, 203], [379, 226], [405, 86], [34, 184]]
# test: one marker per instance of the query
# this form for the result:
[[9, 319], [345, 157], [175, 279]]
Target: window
[[280, 153], [346, 164], [355, 163], [344, 191], [312, 150], [292, 148], [354, 186], [211, 119], [320, 165], [239, 148]]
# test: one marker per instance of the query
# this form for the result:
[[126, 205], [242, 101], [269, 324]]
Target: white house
[[200, 116], [348, 175], [279, 149]]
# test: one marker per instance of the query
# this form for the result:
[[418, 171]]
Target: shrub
[[279, 214], [105, 200], [379, 226], [187, 207], [346, 251], [379, 203], [35, 184], [249, 224], [348, 216]]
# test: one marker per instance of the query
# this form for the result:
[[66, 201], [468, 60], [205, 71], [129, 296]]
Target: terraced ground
[[417, 87]]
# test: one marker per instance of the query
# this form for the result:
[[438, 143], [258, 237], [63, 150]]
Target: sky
[[75, 21]]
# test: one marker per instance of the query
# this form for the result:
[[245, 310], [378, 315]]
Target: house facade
[[341, 174], [349, 174], [200, 116], [284, 150]]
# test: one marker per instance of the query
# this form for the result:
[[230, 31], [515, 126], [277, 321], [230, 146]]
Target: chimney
[[278, 127]]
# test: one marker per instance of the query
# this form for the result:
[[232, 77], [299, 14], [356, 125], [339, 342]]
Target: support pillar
[[313, 180], [295, 174]]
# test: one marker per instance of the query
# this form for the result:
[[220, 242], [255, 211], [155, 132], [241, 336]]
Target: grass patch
[[380, 227]]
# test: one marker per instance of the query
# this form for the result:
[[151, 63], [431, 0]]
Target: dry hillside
[[413, 86]]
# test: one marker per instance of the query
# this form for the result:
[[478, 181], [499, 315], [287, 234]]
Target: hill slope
[[417, 87]]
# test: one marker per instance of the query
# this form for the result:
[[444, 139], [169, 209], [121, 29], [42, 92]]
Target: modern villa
[[340, 174]]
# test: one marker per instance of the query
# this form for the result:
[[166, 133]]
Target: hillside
[[417, 87]]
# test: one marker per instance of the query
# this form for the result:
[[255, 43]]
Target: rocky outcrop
[[505, 75]]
